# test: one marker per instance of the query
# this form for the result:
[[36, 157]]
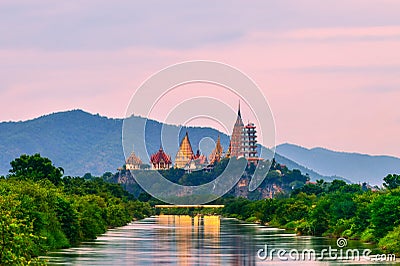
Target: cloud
[[100, 25], [381, 88], [329, 69], [352, 33]]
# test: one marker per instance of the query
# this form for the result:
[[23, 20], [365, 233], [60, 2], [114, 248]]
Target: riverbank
[[330, 209], [186, 240], [40, 216], [326, 209]]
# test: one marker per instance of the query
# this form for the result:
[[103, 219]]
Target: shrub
[[390, 243]]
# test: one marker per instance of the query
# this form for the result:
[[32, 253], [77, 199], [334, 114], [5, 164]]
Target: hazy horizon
[[205, 126]]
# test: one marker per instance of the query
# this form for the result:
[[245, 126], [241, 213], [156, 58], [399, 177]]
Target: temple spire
[[185, 152], [236, 137], [217, 153]]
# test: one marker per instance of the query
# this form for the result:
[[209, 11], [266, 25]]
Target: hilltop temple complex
[[243, 143]]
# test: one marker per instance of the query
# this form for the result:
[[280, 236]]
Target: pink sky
[[330, 72]]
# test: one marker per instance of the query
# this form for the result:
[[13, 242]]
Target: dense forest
[[334, 209], [41, 211]]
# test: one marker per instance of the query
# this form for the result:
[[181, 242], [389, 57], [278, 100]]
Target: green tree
[[390, 243], [68, 217], [392, 181], [36, 168], [336, 185], [362, 216], [17, 238], [117, 215], [385, 213]]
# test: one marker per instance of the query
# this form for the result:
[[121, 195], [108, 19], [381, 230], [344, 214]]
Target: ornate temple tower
[[243, 141], [236, 144], [250, 143], [217, 153], [185, 153]]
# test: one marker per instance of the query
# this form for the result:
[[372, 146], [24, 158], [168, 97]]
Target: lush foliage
[[392, 181], [195, 178], [333, 209], [38, 212], [35, 168]]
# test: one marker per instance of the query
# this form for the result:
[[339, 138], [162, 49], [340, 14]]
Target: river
[[206, 240]]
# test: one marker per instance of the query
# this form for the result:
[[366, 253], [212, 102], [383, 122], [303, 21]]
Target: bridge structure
[[186, 209], [188, 206]]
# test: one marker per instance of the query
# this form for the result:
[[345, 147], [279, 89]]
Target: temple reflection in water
[[189, 234], [169, 240], [198, 241]]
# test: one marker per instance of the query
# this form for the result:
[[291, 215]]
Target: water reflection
[[185, 240], [194, 240]]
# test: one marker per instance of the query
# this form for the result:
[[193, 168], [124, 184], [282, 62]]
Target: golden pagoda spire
[[236, 144], [216, 154], [185, 152]]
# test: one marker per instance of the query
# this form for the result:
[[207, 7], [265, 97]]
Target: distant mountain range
[[84, 143], [354, 166]]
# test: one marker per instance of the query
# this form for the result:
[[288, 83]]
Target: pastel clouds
[[331, 77], [341, 33]]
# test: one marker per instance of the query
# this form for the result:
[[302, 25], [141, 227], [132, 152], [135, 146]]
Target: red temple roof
[[250, 125], [160, 156]]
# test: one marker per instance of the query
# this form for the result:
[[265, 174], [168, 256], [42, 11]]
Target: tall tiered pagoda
[[243, 140], [236, 144], [185, 153], [250, 143]]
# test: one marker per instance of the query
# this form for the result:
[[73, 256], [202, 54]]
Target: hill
[[353, 166], [81, 142]]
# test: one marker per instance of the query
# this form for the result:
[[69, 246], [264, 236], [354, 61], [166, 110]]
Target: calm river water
[[208, 240]]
